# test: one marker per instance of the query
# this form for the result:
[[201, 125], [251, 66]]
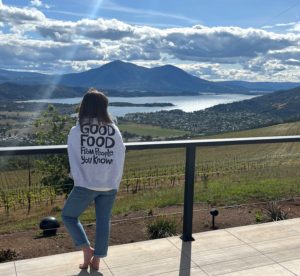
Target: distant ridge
[[18, 92], [124, 78], [262, 86]]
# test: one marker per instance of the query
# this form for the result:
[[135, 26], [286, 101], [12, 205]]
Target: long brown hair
[[94, 106]]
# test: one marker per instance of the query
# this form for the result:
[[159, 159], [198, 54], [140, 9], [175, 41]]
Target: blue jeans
[[77, 202]]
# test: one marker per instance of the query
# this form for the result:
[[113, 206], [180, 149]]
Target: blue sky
[[243, 13], [251, 40]]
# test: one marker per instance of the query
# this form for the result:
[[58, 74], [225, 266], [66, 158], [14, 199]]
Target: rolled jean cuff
[[100, 256], [80, 246]]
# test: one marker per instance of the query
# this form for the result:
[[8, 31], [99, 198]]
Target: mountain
[[25, 77], [129, 79], [262, 86], [12, 91], [125, 76]]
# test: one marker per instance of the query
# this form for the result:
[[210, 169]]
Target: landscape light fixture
[[214, 212], [49, 225]]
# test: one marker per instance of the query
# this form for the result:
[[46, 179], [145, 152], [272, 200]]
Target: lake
[[185, 103]]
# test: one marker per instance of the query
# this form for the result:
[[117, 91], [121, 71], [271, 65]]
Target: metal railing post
[[189, 193]]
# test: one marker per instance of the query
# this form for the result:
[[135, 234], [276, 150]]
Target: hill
[[120, 78], [282, 105], [274, 108], [12, 91], [124, 76], [28, 78], [262, 86]]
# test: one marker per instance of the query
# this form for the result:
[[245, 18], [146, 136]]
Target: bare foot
[[95, 263], [88, 253]]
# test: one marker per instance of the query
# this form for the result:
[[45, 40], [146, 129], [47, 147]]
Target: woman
[[96, 156]]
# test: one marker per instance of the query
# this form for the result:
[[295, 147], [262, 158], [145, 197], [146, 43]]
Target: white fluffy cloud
[[39, 4], [225, 44], [14, 15], [35, 41], [92, 29], [36, 3]]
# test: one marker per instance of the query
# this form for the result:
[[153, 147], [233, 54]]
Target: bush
[[7, 255], [161, 228], [56, 209], [259, 217], [275, 212]]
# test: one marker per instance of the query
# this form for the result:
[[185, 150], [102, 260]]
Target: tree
[[52, 129]]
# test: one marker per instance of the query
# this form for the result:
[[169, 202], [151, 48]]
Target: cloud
[[36, 41], [36, 3], [146, 13], [286, 53], [200, 43], [279, 25], [296, 27], [217, 43], [14, 15], [39, 4], [87, 28]]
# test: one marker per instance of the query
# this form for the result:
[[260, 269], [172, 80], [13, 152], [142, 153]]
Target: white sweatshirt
[[96, 155]]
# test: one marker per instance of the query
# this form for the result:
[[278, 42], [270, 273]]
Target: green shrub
[[161, 228], [7, 255], [275, 212], [259, 216]]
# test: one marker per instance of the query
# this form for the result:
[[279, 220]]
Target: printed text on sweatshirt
[[96, 156]]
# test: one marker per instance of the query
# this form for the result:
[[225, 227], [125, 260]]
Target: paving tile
[[236, 265], [285, 255], [223, 255], [75, 258], [209, 240], [262, 232], [293, 266], [62, 264], [7, 269], [287, 243], [195, 271], [274, 270], [59, 272], [154, 267], [293, 224], [140, 252]]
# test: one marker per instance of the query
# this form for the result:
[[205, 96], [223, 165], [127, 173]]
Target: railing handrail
[[54, 149], [189, 145]]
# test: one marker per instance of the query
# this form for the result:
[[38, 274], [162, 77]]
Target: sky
[[250, 40]]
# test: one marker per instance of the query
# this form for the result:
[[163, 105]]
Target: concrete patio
[[263, 249]]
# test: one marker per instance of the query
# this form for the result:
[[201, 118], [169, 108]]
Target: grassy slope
[[154, 131], [276, 130], [175, 156]]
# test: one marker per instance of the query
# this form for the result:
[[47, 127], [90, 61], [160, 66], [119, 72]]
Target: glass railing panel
[[245, 183]]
